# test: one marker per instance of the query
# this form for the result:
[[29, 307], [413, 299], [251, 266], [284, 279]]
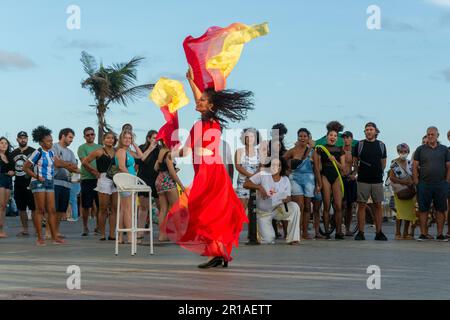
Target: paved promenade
[[312, 270]]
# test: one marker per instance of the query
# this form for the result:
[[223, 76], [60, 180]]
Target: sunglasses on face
[[90, 135]]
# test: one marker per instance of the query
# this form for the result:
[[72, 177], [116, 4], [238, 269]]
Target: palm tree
[[112, 84]]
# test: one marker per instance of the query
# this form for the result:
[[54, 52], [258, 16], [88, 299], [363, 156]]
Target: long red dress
[[208, 218]]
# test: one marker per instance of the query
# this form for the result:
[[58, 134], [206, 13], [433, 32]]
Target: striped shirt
[[43, 162]]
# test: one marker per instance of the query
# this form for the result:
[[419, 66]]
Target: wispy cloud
[[446, 74], [351, 47], [14, 60], [338, 106], [397, 26], [444, 20], [441, 3], [313, 122], [358, 116], [83, 44]]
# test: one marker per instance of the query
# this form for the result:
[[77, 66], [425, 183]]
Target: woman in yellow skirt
[[401, 178]]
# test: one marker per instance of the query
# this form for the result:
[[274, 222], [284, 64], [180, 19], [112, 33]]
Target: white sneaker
[[72, 220]]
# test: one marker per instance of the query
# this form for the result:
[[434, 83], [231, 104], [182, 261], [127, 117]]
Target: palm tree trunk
[[101, 111]]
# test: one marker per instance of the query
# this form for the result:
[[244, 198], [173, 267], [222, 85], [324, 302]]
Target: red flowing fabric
[[166, 133], [208, 218], [199, 50]]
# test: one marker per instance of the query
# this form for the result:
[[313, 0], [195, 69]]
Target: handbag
[[404, 192], [113, 169]]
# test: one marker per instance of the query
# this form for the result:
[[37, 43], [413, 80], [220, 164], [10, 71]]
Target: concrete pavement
[[312, 270]]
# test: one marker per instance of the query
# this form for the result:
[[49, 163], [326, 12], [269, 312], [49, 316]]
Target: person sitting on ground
[[274, 201]]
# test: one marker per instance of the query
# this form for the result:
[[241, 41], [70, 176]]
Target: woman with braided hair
[[209, 217], [331, 159]]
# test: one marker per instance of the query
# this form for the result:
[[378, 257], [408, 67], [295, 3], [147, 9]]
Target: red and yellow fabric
[[170, 96], [214, 55]]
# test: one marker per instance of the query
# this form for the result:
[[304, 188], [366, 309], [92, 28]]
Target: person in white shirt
[[273, 201]]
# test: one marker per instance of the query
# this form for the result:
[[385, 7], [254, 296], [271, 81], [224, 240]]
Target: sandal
[[307, 237], [22, 234], [348, 234], [294, 243], [59, 241], [398, 237]]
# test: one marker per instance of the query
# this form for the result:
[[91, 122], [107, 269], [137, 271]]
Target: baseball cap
[[22, 134], [372, 124], [347, 134]]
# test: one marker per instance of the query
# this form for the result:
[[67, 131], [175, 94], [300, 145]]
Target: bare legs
[[4, 198], [166, 200]]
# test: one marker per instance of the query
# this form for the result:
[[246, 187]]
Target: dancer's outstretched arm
[[195, 90]]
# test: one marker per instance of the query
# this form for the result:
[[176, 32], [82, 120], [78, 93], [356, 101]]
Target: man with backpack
[[22, 194], [370, 161]]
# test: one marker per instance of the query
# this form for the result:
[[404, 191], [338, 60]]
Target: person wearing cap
[[22, 194], [369, 160], [349, 178], [400, 176], [432, 175]]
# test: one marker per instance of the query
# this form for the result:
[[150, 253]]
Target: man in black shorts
[[349, 179], [22, 195], [432, 175], [88, 181]]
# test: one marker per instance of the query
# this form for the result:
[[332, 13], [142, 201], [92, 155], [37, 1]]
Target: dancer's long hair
[[229, 105]]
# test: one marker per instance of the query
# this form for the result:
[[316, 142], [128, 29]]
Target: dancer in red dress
[[209, 217]]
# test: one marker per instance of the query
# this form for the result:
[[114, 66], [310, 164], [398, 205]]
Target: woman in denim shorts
[[41, 167]]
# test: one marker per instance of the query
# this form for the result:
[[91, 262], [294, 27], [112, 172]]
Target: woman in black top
[[6, 174], [107, 193], [327, 178], [146, 171]]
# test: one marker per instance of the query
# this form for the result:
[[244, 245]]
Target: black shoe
[[360, 236], [111, 239], [225, 264], [380, 237], [441, 238], [339, 236], [252, 243], [422, 237], [213, 263]]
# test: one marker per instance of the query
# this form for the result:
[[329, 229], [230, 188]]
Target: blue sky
[[319, 63]]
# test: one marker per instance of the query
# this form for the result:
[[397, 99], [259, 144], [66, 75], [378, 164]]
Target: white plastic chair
[[128, 183]]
